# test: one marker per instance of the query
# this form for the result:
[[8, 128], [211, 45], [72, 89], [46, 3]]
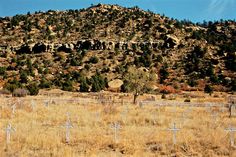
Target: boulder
[[115, 85], [39, 48], [24, 49], [64, 48], [171, 41]]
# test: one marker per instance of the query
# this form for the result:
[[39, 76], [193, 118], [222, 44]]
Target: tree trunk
[[135, 98]]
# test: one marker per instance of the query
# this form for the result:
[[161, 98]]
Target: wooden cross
[[174, 130], [116, 127], [231, 130], [68, 126], [9, 129]]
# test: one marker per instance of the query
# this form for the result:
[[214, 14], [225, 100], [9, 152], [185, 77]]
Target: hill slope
[[68, 48]]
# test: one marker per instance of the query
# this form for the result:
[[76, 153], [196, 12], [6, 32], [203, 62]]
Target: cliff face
[[85, 45], [69, 45]]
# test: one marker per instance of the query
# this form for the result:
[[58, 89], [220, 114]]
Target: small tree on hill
[[164, 73], [208, 89], [33, 89], [98, 82], [23, 77], [84, 87]]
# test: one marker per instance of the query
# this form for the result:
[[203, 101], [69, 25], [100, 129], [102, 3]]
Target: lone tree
[[137, 81]]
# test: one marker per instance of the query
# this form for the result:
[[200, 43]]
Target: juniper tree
[[137, 81]]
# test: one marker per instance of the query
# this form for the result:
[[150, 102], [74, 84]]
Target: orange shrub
[[167, 89]]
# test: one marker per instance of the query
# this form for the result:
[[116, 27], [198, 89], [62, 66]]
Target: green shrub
[[23, 77], [87, 66], [98, 83], [93, 60], [208, 89], [67, 86], [12, 85], [84, 86], [44, 83], [187, 100], [33, 89], [2, 71]]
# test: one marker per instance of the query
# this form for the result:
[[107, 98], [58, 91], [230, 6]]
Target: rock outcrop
[[88, 45]]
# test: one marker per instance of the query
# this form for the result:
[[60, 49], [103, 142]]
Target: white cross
[[33, 105], [174, 107], [142, 103], [9, 129], [174, 130], [223, 108], [116, 126], [233, 110], [46, 103], [68, 126], [124, 113], [208, 107], [184, 117], [214, 116], [231, 130], [97, 115], [18, 101], [68, 116], [13, 107], [189, 109]]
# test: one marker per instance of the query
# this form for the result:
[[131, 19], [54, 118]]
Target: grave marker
[[184, 117], [13, 107], [46, 103], [68, 126], [33, 105], [9, 129], [141, 104], [208, 107], [223, 108], [214, 116], [231, 131], [68, 116], [116, 127], [124, 113], [174, 108], [232, 110], [97, 116], [174, 130]]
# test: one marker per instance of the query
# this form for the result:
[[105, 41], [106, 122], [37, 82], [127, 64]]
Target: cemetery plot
[[83, 127]]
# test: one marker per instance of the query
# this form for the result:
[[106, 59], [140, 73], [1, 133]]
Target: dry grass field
[[39, 129]]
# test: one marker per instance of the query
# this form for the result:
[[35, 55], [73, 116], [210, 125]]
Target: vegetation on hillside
[[186, 56]]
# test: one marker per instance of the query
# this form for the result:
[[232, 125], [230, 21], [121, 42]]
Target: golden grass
[[40, 133]]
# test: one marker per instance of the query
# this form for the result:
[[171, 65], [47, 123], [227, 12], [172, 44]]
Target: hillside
[[82, 50]]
